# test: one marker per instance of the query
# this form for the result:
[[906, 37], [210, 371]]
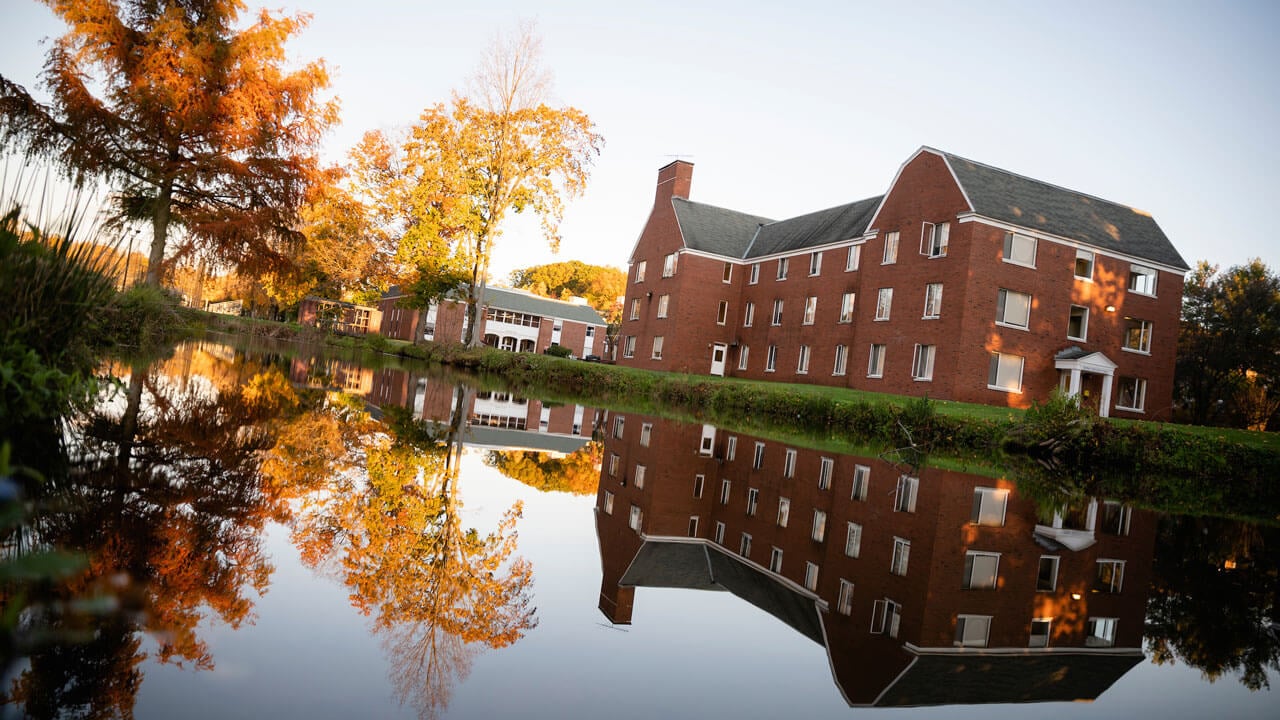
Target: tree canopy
[[603, 287], [190, 113], [1228, 368]]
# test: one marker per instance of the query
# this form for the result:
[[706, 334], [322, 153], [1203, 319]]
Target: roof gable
[[1036, 205]]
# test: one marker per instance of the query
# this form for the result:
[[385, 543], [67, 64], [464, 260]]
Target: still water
[[275, 535]]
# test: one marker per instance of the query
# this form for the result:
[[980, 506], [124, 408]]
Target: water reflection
[[173, 480], [924, 586]]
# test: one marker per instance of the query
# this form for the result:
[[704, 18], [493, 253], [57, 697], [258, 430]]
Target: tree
[[472, 161], [1228, 368], [603, 287], [577, 473], [189, 113]]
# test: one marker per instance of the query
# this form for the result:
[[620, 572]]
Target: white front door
[[718, 353]]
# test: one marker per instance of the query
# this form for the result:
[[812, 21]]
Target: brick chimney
[[674, 180]]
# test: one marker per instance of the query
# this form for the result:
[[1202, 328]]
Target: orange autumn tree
[[577, 473], [191, 114]]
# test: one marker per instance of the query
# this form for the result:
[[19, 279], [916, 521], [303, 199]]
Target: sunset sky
[[789, 107]]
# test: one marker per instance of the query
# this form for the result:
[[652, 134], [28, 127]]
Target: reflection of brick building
[[341, 317], [906, 579], [962, 282], [513, 320]]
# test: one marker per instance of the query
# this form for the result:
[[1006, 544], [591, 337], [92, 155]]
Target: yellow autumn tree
[[193, 116]]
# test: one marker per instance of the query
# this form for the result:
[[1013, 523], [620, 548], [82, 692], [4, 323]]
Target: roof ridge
[[949, 155]]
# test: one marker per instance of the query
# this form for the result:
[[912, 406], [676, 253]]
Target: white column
[[1074, 388], [1104, 403]]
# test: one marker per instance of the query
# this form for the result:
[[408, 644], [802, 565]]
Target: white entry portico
[[1077, 362]]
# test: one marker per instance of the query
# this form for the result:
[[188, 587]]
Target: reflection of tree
[[577, 472], [436, 591], [1213, 598], [166, 501]]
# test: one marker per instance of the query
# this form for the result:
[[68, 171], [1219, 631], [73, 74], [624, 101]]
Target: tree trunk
[[159, 230]]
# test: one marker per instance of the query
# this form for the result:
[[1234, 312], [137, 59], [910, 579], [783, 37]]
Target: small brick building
[[962, 282]]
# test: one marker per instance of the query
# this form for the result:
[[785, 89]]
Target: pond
[[269, 533]]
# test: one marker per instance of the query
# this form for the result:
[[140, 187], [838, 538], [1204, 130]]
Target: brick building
[[513, 320], [923, 587], [962, 281]]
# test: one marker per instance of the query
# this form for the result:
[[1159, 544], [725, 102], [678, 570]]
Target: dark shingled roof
[[843, 222], [715, 230], [966, 678], [525, 302], [1017, 200]]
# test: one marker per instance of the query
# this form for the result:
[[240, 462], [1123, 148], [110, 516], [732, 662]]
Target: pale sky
[[789, 107]]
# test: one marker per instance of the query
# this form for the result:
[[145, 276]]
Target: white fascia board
[[1049, 237]]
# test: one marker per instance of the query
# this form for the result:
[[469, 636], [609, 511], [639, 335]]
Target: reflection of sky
[[688, 653]]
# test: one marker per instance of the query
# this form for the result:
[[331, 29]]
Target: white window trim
[[1035, 250], [1084, 326]]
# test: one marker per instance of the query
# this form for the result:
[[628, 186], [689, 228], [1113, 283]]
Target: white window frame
[[656, 353], [638, 478], [841, 365], [1142, 280], [640, 270], [1101, 632], [875, 361], [815, 263], [1113, 585], [664, 301], [810, 310], [753, 501], [901, 558], [776, 318], [802, 364], [988, 503], [629, 346], [818, 531], [904, 496], [744, 352], [744, 545], [922, 362], [771, 359], [669, 265], [775, 560], [972, 630], [646, 434], [1083, 335], [890, 254], [1056, 562], [789, 464], [884, 304], [1016, 247], [861, 481], [619, 426], [635, 309], [844, 599], [614, 461], [783, 265], [635, 520], [719, 533], [1137, 399], [852, 539], [757, 458], [731, 448], [722, 312], [886, 617], [753, 276], [726, 489], [608, 502], [934, 239], [932, 301], [728, 273], [749, 314], [847, 301], [693, 526], [1000, 368], [811, 576], [981, 570], [826, 468], [1087, 258], [853, 259], [1047, 624], [699, 482], [784, 511], [1144, 328], [1003, 309]]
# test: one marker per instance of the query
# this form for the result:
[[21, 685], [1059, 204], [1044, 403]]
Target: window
[[771, 359], [1114, 518], [708, 442], [980, 570], [989, 506], [749, 315], [608, 502], [731, 448], [722, 312], [698, 482], [1102, 632], [757, 461], [861, 479], [635, 309], [922, 364], [629, 346], [743, 353], [1110, 576], [782, 268], [1137, 335], [972, 630], [1078, 323], [1005, 372], [728, 273], [842, 360], [613, 464], [932, 300], [802, 365], [825, 468], [905, 495], [884, 302], [815, 264], [725, 486], [669, 265], [1047, 574], [777, 312], [646, 432], [890, 249], [639, 478], [1040, 632], [784, 511], [1013, 308], [810, 310], [663, 302], [1142, 280], [852, 260], [811, 576], [1084, 264], [933, 239], [846, 307], [744, 545], [636, 521], [853, 540], [657, 348], [1019, 249], [640, 266], [818, 533], [1132, 395], [619, 422], [875, 362], [754, 275], [901, 554], [885, 617], [775, 560], [789, 464], [719, 536], [844, 601], [753, 501]]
